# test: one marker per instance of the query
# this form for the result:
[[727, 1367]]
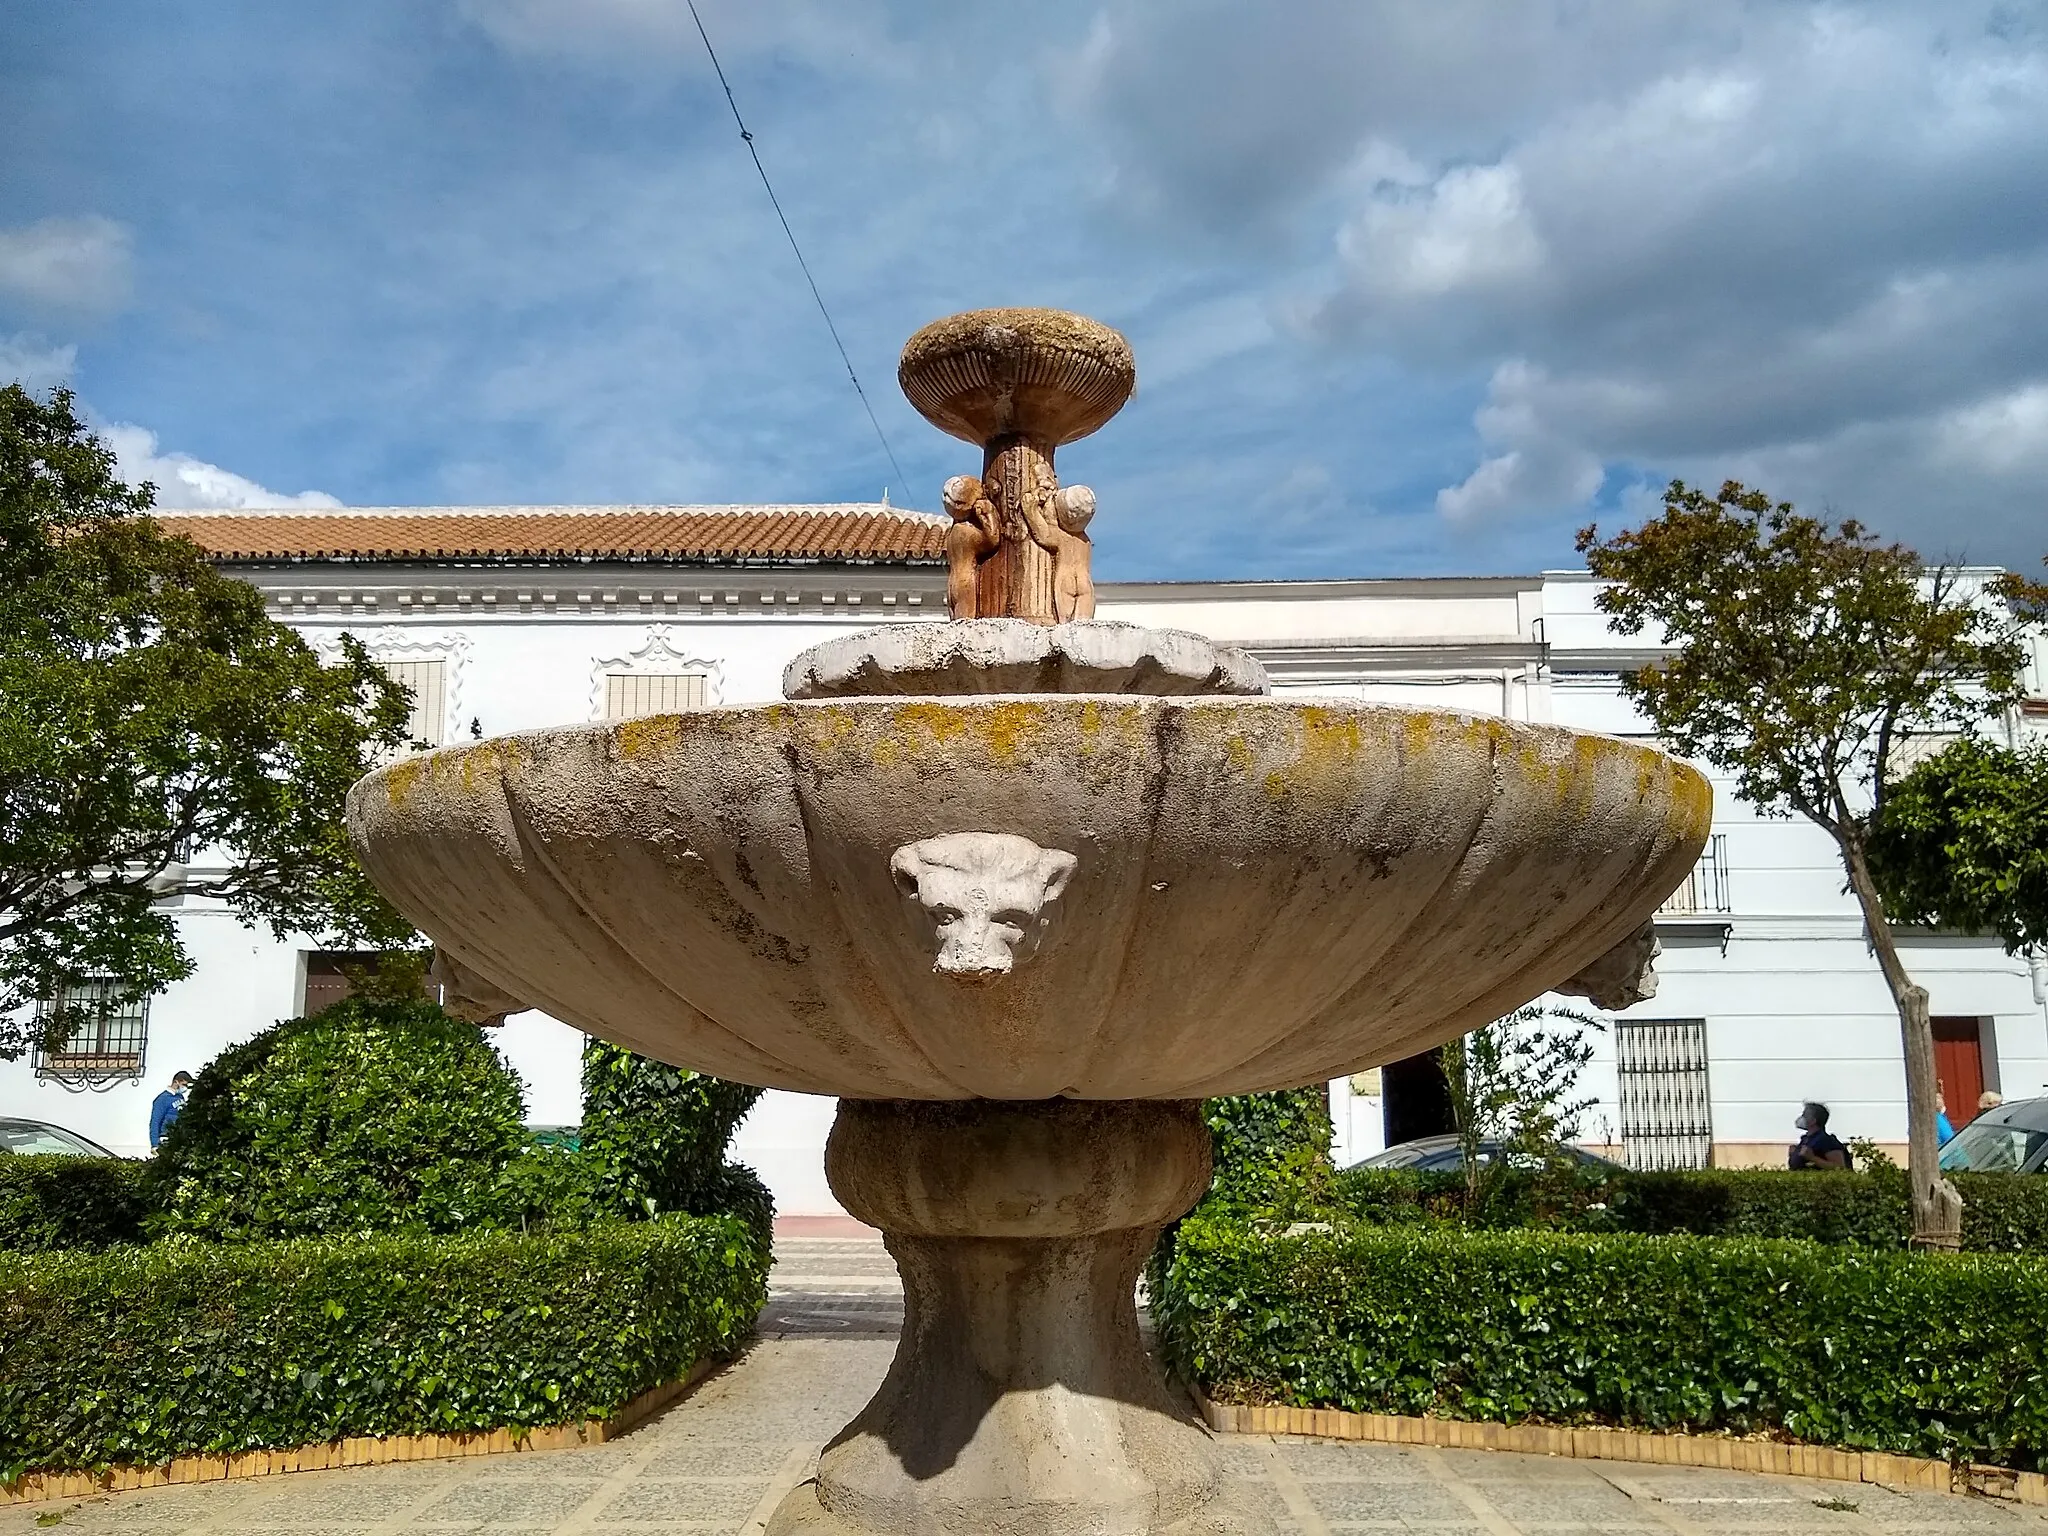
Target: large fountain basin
[[1264, 892]]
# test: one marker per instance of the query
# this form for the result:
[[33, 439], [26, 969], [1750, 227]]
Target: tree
[[1513, 1083], [149, 708], [1802, 652], [1963, 843]]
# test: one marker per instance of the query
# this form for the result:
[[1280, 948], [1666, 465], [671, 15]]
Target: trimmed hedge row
[[50, 1201], [2002, 1212], [136, 1355], [1921, 1354]]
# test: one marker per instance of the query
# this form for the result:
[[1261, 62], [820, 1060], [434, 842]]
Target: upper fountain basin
[[1041, 374], [1224, 894]]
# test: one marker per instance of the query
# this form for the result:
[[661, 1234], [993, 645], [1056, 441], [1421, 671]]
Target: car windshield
[[30, 1138], [1997, 1143]]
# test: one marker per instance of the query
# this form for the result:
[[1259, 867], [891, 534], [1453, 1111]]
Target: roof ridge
[[733, 509]]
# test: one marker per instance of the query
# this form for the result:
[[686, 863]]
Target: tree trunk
[[1937, 1204]]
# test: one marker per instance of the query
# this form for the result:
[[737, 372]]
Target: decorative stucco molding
[[658, 653]]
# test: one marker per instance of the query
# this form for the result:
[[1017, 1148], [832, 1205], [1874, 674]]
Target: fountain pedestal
[[1021, 1398]]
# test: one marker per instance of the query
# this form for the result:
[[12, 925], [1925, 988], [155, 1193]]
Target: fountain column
[[1016, 581], [1021, 1398]]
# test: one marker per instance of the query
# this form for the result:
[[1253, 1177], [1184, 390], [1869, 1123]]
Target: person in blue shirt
[[1944, 1132], [164, 1107], [1816, 1148]]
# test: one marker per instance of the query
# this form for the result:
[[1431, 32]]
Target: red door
[[1959, 1067]]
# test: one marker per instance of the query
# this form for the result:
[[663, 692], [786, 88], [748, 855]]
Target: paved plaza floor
[[720, 1461]]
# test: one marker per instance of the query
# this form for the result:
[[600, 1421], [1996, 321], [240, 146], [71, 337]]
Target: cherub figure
[[1063, 535], [972, 539]]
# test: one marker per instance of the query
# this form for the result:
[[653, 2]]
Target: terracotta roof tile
[[857, 532]]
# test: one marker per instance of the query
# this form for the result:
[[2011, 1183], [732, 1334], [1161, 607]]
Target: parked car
[[1442, 1154], [30, 1137], [2012, 1138]]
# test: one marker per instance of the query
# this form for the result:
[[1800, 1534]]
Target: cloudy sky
[[1413, 288]]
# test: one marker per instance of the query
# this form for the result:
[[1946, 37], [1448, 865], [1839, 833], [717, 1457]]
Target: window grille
[[1667, 1118], [106, 1037], [1706, 886], [628, 695], [428, 681]]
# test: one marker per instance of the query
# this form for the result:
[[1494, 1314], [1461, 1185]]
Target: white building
[[506, 619]]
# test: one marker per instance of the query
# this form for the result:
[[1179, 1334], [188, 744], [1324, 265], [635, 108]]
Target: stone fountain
[[1020, 890]]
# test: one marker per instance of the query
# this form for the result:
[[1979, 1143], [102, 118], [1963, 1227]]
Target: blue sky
[[1413, 289]]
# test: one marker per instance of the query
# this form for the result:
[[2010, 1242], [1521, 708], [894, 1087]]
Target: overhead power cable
[[873, 421]]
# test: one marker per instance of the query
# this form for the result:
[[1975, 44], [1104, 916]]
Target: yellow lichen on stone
[[400, 777], [1007, 727], [648, 735]]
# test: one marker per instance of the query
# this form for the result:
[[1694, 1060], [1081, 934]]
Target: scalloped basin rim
[[1264, 891]]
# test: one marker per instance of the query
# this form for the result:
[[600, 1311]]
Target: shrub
[[654, 1136], [372, 1114], [48, 1201], [1924, 1354], [2002, 1212], [1270, 1149], [136, 1355]]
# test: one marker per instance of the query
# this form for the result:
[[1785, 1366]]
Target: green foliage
[[1513, 1082], [49, 1201], [1963, 843], [2002, 1213], [1802, 649], [1271, 1150], [149, 705], [1923, 1354], [654, 1136], [136, 1355], [365, 1117]]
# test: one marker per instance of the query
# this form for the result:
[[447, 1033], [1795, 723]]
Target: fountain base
[[1021, 1398]]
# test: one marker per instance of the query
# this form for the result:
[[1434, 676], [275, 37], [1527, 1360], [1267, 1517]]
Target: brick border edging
[[355, 1451], [1789, 1460]]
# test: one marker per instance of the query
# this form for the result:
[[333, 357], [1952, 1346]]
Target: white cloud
[[75, 265], [1535, 469], [637, 34], [2004, 435], [34, 366], [1805, 241], [1470, 229], [183, 481]]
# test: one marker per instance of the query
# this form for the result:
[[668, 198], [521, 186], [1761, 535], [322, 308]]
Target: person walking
[[163, 1109], [1816, 1150], [1944, 1130]]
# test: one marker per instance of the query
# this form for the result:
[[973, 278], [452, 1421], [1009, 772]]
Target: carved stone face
[[985, 894]]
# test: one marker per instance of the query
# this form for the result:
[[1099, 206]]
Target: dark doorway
[[1415, 1099], [1959, 1066]]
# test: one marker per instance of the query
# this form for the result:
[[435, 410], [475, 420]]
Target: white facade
[[1791, 1003]]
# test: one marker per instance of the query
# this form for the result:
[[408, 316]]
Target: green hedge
[[49, 1201], [2002, 1213], [1923, 1354], [367, 1116], [136, 1355]]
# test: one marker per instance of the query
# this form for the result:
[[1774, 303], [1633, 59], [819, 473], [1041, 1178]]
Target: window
[[628, 695], [106, 1036], [428, 681], [1667, 1120]]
